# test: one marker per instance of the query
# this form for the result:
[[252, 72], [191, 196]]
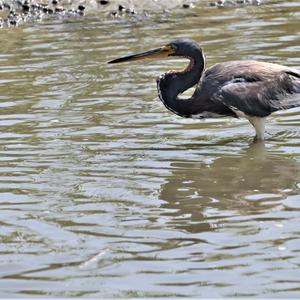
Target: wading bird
[[249, 89]]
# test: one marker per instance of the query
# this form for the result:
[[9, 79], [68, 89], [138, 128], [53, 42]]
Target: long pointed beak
[[157, 53]]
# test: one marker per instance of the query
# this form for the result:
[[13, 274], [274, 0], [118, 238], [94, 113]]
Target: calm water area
[[105, 193]]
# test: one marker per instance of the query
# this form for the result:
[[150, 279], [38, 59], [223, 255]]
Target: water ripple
[[102, 188]]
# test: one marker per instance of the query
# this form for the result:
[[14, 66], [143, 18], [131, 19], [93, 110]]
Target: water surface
[[105, 193]]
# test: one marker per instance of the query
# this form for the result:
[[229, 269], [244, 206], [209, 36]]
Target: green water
[[105, 193]]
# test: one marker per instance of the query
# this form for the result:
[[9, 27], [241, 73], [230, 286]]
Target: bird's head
[[179, 47]]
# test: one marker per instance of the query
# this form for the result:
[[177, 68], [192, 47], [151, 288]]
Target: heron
[[240, 89]]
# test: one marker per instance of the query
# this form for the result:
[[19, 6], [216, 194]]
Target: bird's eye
[[168, 49]]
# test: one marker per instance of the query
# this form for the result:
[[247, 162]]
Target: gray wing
[[262, 97], [252, 87]]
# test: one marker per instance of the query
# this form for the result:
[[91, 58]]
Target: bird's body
[[249, 89]]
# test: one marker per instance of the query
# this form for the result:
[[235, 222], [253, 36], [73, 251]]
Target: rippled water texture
[[104, 193]]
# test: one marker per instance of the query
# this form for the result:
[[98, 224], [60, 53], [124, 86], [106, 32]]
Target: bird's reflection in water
[[200, 196]]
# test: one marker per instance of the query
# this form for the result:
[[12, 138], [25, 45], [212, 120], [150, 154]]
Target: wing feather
[[261, 97]]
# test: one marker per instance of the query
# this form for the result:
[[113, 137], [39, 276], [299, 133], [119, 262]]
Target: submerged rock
[[21, 11], [233, 3]]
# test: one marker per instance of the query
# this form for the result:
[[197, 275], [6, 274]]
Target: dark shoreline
[[17, 12]]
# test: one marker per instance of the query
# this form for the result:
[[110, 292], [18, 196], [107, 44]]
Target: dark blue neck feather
[[170, 85]]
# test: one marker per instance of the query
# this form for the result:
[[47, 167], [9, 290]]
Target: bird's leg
[[259, 126]]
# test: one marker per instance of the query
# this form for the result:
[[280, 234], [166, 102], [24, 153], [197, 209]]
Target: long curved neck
[[170, 85]]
